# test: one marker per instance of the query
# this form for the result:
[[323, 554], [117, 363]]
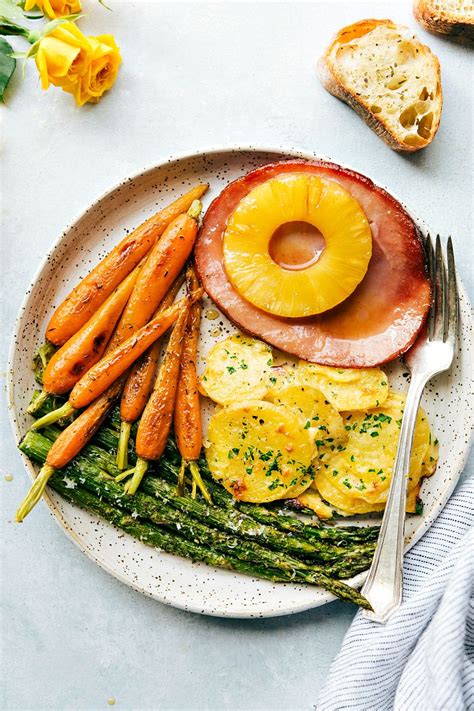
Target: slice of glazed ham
[[382, 317]]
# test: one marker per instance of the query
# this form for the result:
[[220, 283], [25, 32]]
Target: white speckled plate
[[167, 578]]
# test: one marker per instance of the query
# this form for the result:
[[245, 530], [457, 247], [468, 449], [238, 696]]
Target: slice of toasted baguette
[[389, 78], [446, 17]]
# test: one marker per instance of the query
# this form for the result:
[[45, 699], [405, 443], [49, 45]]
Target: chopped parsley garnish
[[274, 484]]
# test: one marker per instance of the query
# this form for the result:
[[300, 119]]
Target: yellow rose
[[63, 56], [101, 72], [83, 66], [54, 8]]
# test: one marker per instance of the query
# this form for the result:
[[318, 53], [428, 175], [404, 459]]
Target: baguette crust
[[333, 79], [451, 17]]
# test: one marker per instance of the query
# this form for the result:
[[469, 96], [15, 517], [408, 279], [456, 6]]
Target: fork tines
[[444, 313]]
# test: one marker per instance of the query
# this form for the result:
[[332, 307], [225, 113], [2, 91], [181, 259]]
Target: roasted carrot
[[114, 364], [187, 412], [139, 383], [74, 437], [155, 423], [163, 265], [68, 444], [87, 346], [167, 258], [91, 292]]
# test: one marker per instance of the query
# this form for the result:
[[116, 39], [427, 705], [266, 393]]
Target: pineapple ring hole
[[296, 245]]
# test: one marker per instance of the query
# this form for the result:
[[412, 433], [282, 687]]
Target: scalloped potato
[[280, 377], [314, 411], [258, 451], [346, 388], [327, 436], [237, 369], [356, 477]]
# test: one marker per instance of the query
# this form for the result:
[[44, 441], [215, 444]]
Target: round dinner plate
[[170, 579]]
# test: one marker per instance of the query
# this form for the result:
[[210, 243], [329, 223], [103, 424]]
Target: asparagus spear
[[339, 536], [152, 535], [147, 507], [231, 521], [169, 467]]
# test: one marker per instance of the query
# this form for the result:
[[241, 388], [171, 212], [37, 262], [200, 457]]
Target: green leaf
[[7, 27], [7, 65], [11, 10]]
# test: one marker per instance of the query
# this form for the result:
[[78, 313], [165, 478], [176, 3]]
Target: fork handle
[[384, 584]]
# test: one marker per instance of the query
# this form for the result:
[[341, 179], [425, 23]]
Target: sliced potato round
[[346, 388], [299, 488], [430, 461], [312, 500], [258, 450], [315, 413], [412, 498], [356, 477], [237, 369], [280, 377]]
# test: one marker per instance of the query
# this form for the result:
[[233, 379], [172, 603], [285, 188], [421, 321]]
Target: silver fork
[[432, 353]]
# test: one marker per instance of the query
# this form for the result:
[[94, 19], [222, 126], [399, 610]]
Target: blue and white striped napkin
[[423, 658]]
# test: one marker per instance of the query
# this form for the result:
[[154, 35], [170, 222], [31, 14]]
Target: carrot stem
[[122, 449], [195, 209], [35, 493], [124, 475], [194, 490], [65, 410], [181, 475], [140, 471], [196, 474]]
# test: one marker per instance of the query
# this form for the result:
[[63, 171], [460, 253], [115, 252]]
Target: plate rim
[[282, 150]]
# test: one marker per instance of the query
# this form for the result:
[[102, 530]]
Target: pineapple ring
[[291, 293], [258, 451], [237, 369]]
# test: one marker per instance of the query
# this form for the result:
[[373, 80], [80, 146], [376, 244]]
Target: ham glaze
[[381, 318]]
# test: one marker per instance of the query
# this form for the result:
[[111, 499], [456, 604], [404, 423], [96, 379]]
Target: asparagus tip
[[37, 402]]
